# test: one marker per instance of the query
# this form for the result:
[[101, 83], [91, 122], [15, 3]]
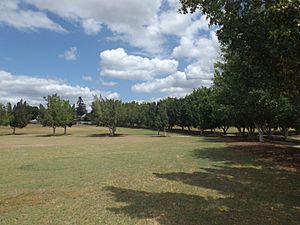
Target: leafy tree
[[286, 115], [202, 108], [58, 113], [186, 115], [34, 112], [4, 116], [261, 42], [161, 117], [172, 111], [106, 113], [20, 116], [67, 114], [80, 109]]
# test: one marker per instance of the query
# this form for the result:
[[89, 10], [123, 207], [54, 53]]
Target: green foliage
[[58, 113], [161, 120], [80, 109], [5, 116], [106, 112], [20, 115]]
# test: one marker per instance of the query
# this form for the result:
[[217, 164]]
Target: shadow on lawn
[[107, 135], [251, 192]]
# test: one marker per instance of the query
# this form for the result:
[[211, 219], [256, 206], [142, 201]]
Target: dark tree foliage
[[80, 109], [20, 116]]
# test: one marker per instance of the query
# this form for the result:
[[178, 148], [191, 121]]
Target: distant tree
[[202, 109], [286, 115], [80, 109], [185, 118], [161, 117], [20, 116], [68, 115], [4, 116], [58, 113], [173, 111], [34, 112], [105, 112]]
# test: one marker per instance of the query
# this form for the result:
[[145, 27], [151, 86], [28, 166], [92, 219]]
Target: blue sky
[[126, 49]]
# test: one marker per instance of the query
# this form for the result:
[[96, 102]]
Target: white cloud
[[70, 54], [117, 63], [197, 47], [87, 78], [131, 20], [12, 15], [107, 83], [33, 89], [91, 26], [177, 85]]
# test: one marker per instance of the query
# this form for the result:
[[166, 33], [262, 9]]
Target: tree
[[80, 109], [202, 109], [286, 115], [105, 112], [4, 116], [58, 113], [161, 117], [261, 43], [20, 116], [67, 114]]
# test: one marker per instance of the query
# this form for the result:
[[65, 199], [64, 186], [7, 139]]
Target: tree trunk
[[260, 132], [111, 131], [182, 128], [225, 129], [165, 133], [189, 128], [14, 130], [158, 131], [54, 128], [269, 131], [201, 131], [65, 133], [285, 133], [243, 132], [239, 131]]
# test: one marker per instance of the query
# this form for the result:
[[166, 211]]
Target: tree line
[[205, 108]]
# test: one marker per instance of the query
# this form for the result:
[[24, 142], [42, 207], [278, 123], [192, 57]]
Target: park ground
[[87, 177]]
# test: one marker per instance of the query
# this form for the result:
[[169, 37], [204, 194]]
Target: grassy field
[[138, 178]]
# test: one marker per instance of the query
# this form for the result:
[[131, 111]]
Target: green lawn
[[138, 178]]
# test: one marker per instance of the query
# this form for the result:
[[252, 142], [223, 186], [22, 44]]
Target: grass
[[138, 178]]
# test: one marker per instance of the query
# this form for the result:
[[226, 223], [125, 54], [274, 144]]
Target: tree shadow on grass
[[52, 135], [251, 191], [106, 135]]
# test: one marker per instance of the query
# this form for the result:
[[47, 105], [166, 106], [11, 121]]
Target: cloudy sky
[[126, 49]]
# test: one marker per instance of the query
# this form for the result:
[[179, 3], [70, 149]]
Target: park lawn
[[139, 178]]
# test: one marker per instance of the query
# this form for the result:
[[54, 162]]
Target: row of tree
[[57, 113], [258, 78], [204, 108]]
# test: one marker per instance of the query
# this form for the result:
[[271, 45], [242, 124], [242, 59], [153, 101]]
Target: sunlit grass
[[138, 178]]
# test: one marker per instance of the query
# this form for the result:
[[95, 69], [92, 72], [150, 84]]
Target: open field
[[138, 178]]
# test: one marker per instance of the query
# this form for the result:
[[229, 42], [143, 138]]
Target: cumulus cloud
[[70, 54], [12, 15], [176, 85], [33, 89], [118, 64], [131, 19]]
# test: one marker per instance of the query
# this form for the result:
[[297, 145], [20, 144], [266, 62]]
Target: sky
[[123, 49]]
